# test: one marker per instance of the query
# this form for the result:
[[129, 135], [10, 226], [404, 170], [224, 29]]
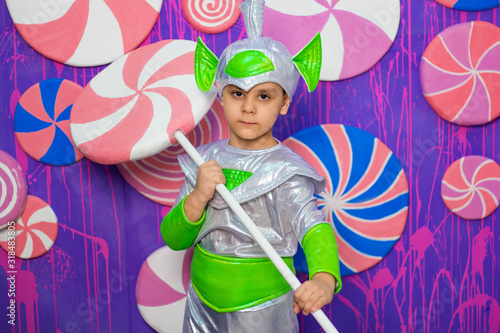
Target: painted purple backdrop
[[440, 277]]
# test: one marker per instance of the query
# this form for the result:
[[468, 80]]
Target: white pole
[[255, 232]]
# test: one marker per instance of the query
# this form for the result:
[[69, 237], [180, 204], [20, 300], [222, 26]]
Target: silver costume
[[279, 197]]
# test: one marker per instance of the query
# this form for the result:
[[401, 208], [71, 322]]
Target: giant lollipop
[[470, 5], [459, 73], [13, 189], [161, 288], [366, 194], [153, 93], [83, 32], [160, 177], [247, 63], [356, 33]]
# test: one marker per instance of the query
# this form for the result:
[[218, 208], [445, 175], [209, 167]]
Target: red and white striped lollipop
[[460, 71], [355, 34], [161, 288], [160, 177], [13, 189], [36, 230], [471, 187], [211, 16], [130, 110], [84, 32]]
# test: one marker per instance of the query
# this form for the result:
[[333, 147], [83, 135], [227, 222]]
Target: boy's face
[[252, 114]]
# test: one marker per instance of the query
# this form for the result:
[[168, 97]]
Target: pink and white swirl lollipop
[[35, 231], [130, 110], [84, 32], [161, 288], [13, 189], [460, 73], [160, 177], [355, 34], [211, 16], [471, 187]]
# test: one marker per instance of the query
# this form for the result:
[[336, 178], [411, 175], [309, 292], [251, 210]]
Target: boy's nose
[[248, 106]]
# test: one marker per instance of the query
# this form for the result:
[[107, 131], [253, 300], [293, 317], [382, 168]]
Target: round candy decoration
[[460, 71], [366, 194], [13, 189], [471, 187], [36, 230], [83, 32], [355, 34], [41, 122], [160, 177], [161, 288], [470, 5], [211, 16], [153, 94]]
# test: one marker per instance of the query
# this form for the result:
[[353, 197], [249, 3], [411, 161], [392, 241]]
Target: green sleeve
[[320, 249], [177, 231]]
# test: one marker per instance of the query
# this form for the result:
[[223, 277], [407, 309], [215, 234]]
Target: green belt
[[232, 283]]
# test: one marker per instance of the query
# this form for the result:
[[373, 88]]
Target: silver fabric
[[285, 73], [274, 316], [279, 197], [253, 15]]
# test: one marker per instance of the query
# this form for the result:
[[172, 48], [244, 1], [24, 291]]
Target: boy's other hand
[[312, 295]]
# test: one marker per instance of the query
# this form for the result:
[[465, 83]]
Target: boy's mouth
[[246, 123]]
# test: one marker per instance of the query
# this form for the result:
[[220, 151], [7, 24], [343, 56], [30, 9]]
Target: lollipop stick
[[255, 232]]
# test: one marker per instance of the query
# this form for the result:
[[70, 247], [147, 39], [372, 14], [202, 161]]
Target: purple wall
[[441, 276]]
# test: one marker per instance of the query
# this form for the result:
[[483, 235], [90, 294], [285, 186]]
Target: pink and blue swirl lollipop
[[41, 122], [470, 5], [366, 196]]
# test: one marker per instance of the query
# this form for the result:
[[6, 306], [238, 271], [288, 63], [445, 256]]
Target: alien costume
[[234, 286]]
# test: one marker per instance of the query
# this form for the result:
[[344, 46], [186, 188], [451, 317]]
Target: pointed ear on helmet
[[308, 62], [205, 66]]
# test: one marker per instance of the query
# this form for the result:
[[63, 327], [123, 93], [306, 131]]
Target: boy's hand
[[209, 176], [313, 294]]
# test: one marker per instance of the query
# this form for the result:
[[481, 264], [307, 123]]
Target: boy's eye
[[237, 93], [264, 97]]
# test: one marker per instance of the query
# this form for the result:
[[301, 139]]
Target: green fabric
[[205, 66], [308, 62], [320, 249], [177, 231], [249, 63], [235, 178], [228, 284]]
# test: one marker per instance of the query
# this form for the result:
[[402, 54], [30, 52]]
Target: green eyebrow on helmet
[[249, 63]]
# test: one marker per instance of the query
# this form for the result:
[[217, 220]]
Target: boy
[[234, 286]]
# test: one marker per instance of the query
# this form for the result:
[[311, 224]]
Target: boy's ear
[[285, 105], [308, 62], [205, 66]]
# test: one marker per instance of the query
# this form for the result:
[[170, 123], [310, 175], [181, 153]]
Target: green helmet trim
[[205, 66], [308, 62], [249, 63]]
